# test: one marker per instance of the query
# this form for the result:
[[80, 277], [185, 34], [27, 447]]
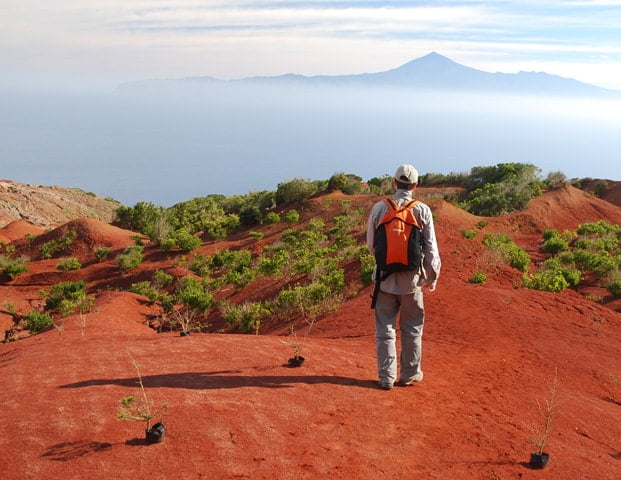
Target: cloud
[[139, 38]]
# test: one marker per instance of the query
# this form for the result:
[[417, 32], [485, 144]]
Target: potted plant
[[539, 459], [142, 410], [131, 409], [296, 345]]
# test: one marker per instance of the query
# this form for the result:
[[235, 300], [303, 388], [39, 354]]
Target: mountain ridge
[[429, 72]]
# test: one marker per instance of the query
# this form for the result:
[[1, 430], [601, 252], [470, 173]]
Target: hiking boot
[[385, 385], [416, 378]]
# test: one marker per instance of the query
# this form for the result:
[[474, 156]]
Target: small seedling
[[297, 345], [138, 410], [540, 433]]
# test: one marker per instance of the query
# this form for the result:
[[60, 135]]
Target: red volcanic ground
[[235, 411]]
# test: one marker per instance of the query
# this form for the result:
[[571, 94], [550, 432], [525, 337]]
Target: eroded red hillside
[[235, 411]]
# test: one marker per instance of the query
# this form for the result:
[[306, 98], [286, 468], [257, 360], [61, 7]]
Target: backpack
[[397, 243]]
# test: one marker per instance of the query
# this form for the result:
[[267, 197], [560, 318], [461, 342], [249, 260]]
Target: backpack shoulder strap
[[395, 206], [391, 203]]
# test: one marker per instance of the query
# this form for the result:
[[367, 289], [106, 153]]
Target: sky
[[97, 44]]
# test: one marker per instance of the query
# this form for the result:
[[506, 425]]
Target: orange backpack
[[397, 243]]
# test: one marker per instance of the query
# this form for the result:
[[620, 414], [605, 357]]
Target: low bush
[[145, 289], [555, 245], [511, 253], [13, 267], [478, 277], [468, 234], [296, 191], [614, 287], [65, 297], [69, 264], [367, 265], [600, 227], [186, 241], [102, 253], [130, 258], [546, 280], [51, 248], [37, 321], [246, 316], [271, 218], [292, 216]]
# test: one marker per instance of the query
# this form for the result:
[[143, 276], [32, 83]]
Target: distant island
[[430, 72]]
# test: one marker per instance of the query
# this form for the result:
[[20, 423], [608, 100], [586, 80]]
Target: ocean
[[167, 150]]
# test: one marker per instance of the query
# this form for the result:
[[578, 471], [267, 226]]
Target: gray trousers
[[411, 312]]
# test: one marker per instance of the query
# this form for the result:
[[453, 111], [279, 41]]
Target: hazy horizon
[[173, 149]]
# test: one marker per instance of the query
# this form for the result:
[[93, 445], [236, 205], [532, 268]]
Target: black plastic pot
[[539, 460], [155, 434], [296, 361]]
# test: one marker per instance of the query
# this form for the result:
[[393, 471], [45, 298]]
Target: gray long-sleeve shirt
[[401, 283]]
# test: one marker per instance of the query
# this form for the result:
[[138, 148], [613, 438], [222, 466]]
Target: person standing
[[401, 293]]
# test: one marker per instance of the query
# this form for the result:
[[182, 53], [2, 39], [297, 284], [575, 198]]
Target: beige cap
[[406, 174]]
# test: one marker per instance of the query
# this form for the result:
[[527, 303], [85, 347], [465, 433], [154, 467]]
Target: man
[[401, 294]]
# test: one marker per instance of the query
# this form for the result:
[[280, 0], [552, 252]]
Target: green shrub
[[140, 218], [614, 287], [478, 277], [215, 230], [348, 184], [271, 218], [186, 241], [295, 191], [241, 278], [161, 279], [601, 263], [130, 258], [549, 233], [69, 264], [51, 248], [145, 289], [604, 243], [303, 298], [193, 294], [102, 253], [37, 321], [512, 254], [256, 235], [367, 266], [250, 215], [556, 180], [247, 316], [167, 243], [546, 280], [332, 277], [292, 216], [232, 260], [200, 264], [503, 188], [273, 261], [555, 245], [468, 234], [482, 224], [600, 227], [64, 297], [13, 267]]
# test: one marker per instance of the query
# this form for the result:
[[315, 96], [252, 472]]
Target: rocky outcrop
[[51, 205]]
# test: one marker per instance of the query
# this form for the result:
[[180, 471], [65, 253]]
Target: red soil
[[235, 411]]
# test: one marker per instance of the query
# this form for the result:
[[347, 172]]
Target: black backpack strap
[[379, 278]]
